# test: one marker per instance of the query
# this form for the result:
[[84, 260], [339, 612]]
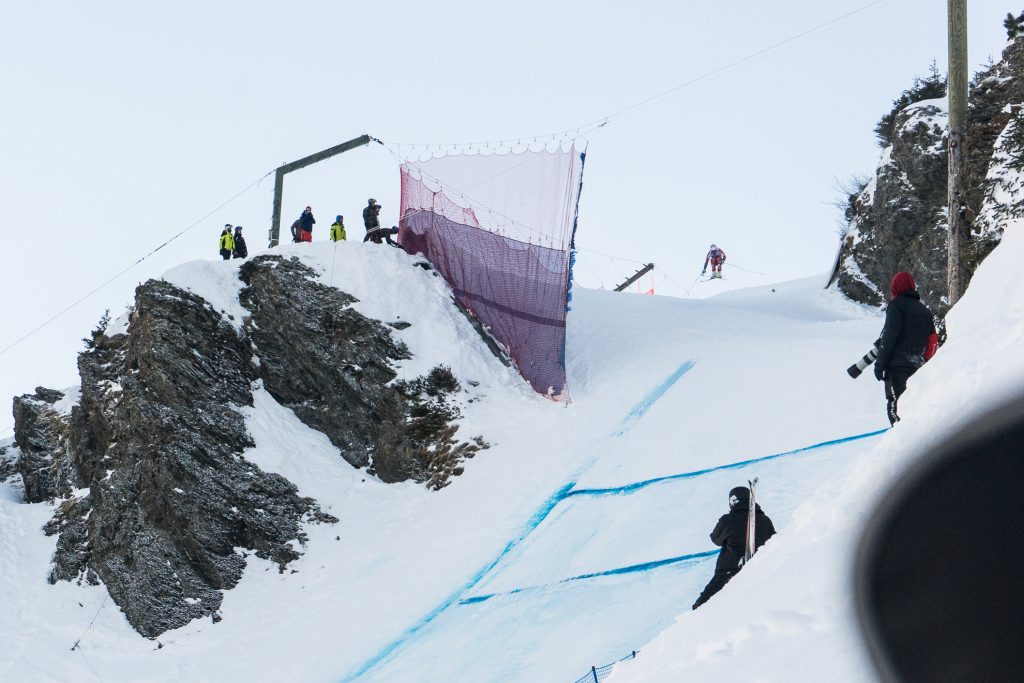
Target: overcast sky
[[122, 123]]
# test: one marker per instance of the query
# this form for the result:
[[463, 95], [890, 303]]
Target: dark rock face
[[172, 507], [8, 463], [170, 499], [898, 222], [44, 464], [334, 371], [997, 96]]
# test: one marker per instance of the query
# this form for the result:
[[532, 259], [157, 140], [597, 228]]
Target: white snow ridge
[[581, 535]]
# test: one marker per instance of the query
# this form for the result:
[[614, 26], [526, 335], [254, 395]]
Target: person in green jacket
[[338, 229], [227, 242]]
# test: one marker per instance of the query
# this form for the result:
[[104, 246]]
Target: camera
[[867, 359]]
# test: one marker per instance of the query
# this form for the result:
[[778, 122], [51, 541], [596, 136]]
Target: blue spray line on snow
[[652, 397], [636, 486], [631, 569], [535, 521]]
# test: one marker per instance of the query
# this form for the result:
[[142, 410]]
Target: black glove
[[879, 373]]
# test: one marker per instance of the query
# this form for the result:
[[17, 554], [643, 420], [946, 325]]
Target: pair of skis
[[751, 545]]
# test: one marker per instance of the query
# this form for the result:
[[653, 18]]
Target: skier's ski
[[751, 523]]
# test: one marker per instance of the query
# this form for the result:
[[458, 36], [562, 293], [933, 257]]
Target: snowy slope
[[792, 604], [579, 536]]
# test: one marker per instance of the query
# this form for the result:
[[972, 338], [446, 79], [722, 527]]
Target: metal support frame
[[275, 225]]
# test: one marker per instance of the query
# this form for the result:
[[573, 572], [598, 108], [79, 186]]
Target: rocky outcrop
[[172, 507], [155, 497], [334, 370], [898, 220], [45, 462], [993, 151], [8, 462]]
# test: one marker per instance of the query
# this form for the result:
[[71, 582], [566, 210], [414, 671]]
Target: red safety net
[[499, 228]]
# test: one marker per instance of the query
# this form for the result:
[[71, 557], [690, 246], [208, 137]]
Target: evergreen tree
[[1012, 25], [98, 331], [931, 87]]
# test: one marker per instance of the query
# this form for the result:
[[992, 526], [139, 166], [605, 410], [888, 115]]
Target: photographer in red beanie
[[908, 340]]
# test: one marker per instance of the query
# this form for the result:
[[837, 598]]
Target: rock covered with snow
[[168, 509], [898, 221], [156, 500], [44, 462], [334, 371]]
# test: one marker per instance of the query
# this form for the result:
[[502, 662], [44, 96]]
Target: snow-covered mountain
[[310, 467], [581, 533]]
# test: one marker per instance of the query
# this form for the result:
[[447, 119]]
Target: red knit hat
[[902, 282]]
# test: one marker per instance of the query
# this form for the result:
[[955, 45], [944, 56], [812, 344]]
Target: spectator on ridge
[[227, 242], [338, 229], [306, 222], [240, 251], [371, 215]]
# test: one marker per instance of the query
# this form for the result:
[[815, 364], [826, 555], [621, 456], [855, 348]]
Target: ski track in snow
[[636, 413]]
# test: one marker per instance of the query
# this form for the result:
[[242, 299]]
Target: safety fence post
[[593, 672]]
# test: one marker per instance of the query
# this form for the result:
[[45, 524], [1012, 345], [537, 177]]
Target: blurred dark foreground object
[[939, 579]]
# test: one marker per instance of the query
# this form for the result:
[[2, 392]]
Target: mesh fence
[[499, 228], [599, 673]]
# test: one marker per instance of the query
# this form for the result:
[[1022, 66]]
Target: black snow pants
[[895, 385], [716, 584]]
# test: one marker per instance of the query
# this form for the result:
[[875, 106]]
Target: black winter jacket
[[908, 324], [370, 219], [731, 534], [306, 221]]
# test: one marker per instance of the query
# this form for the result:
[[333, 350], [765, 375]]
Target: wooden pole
[[635, 276], [956, 274], [275, 224]]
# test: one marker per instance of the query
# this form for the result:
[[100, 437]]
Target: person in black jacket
[[306, 222], [370, 215], [241, 251], [731, 534], [908, 340]]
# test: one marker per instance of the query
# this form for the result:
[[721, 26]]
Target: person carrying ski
[[240, 250], [306, 222], [371, 215], [380, 235], [731, 534], [716, 257], [338, 229], [227, 242], [908, 340]]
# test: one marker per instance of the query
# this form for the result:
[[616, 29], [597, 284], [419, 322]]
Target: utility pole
[[956, 274], [275, 225]]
